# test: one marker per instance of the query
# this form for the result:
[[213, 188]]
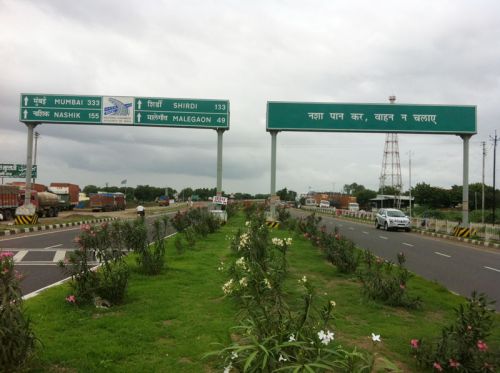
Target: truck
[[163, 201], [46, 203], [68, 194], [34, 186], [103, 201], [9, 201]]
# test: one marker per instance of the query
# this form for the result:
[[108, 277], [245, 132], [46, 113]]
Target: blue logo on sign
[[118, 108]]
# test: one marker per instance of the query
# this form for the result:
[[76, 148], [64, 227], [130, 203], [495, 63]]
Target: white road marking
[[365, 232], [445, 255], [51, 247], [20, 255], [40, 234], [492, 269], [407, 244], [383, 237], [60, 255]]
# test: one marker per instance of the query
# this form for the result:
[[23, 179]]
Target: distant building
[[389, 201]]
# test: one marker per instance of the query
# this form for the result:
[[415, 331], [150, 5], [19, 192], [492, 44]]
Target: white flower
[[332, 303], [288, 241], [375, 337], [244, 282], [221, 267], [267, 283], [227, 288], [292, 338], [247, 223], [303, 280], [281, 358], [327, 337], [277, 241], [228, 368], [244, 238], [234, 355], [241, 263]]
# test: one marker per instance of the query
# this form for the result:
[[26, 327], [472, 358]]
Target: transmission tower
[[391, 166]]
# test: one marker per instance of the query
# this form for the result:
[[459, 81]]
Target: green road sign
[[125, 111], [15, 170], [151, 111], [336, 117]]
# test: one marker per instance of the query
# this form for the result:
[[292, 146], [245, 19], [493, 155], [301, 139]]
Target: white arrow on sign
[[25, 112], [139, 103], [139, 117], [25, 100]]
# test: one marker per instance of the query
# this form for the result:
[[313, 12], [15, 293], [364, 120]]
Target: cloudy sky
[[249, 52]]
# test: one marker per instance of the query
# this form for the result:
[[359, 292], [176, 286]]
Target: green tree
[[363, 197], [90, 189]]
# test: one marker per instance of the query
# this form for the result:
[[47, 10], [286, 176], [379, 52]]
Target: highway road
[[36, 255], [460, 267]]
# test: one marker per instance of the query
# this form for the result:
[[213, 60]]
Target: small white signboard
[[220, 200]]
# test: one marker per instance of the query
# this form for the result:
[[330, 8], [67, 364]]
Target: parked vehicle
[[46, 203], [163, 201], [68, 194], [34, 186], [103, 201], [392, 219], [9, 201]]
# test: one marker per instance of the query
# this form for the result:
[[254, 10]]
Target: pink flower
[[437, 366], [402, 286], [6, 254], [415, 343], [71, 299], [482, 346], [454, 363]]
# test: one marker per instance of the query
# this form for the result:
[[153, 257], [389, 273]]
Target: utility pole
[[483, 143], [37, 135], [409, 181], [494, 139]]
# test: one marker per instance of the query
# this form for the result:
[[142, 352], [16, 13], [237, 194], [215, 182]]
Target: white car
[[392, 219]]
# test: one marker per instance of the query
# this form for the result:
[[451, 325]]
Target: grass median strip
[[168, 322]]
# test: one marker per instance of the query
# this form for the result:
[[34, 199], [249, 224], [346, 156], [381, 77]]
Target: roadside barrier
[[26, 219], [273, 224], [463, 232]]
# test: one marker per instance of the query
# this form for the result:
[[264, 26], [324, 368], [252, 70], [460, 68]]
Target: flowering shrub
[[342, 253], [110, 281], [151, 258], [309, 226], [386, 282], [462, 346], [17, 341], [272, 336]]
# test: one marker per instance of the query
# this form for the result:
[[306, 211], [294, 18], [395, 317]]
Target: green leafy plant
[[110, 280], [462, 345], [151, 258], [386, 282], [17, 340]]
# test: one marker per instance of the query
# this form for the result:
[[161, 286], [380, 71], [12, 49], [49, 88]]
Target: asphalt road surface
[[36, 255], [460, 267]]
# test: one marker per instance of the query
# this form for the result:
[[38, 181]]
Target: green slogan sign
[[124, 111], [336, 117], [15, 170]]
